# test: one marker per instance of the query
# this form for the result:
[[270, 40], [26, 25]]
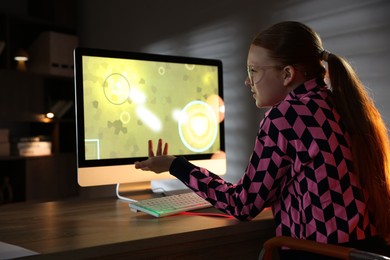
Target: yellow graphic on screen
[[198, 126], [116, 88], [127, 102]]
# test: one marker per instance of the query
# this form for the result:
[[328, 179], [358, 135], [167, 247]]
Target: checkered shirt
[[301, 166]]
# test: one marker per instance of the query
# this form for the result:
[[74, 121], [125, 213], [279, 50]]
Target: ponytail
[[369, 139]]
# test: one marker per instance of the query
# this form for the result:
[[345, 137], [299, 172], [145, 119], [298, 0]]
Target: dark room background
[[223, 29]]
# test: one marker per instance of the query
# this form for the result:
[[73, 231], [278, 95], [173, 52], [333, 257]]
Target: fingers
[[165, 152], [150, 148], [159, 147], [157, 164], [160, 151], [142, 166]]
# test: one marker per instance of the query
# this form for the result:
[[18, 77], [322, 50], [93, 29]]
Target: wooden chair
[[315, 247]]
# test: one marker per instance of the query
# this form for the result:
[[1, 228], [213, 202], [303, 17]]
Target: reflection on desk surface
[[77, 227]]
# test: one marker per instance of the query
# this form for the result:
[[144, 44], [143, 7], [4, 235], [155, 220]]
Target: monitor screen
[[124, 99]]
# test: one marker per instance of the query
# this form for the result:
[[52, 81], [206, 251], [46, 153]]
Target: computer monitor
[[123, 99]]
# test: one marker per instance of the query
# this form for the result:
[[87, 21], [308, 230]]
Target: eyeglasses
[[256, 73]]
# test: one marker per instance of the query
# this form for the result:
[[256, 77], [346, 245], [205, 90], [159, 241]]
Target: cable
[[121, 197], [220, 215]]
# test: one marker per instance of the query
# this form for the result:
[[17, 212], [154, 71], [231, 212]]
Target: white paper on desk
[[8, 251]]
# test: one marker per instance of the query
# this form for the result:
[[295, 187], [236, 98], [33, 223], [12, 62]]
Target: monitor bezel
[[79, 95]]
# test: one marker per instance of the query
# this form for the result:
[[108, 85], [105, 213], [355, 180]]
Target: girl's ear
[[289, 74]]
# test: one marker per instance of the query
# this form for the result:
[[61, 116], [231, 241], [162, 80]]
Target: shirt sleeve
[[258, 187]]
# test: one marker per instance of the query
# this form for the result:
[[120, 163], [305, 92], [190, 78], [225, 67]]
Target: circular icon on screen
[[125, 117], [161, 70], [116, 88], [198, 126]]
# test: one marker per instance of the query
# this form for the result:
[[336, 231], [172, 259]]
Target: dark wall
[[220, 29], [223, 29]]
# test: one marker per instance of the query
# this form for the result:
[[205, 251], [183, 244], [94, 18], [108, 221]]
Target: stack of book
[[4, 142], [33, 146]]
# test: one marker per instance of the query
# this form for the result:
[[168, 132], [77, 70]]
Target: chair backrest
[[363, 255], [315, 247]]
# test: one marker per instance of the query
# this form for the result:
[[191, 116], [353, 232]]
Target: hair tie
[[324, 55]]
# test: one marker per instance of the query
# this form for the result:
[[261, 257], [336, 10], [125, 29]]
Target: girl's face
[[266, 78]]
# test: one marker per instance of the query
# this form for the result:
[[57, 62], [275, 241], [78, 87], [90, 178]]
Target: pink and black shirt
[[301, 166]]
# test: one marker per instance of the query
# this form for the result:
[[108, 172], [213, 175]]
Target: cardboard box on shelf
[[52, 53]]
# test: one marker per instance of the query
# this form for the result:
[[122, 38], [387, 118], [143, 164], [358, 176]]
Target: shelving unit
[[24, 100]]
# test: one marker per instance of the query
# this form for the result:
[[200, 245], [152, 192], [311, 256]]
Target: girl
[[321, 157]]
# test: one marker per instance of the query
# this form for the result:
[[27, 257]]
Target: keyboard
[[170, 205]]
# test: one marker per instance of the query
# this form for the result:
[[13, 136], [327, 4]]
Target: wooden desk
[[107, 229]]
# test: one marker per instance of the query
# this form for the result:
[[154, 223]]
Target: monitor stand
[[122, 197], [168, 186]]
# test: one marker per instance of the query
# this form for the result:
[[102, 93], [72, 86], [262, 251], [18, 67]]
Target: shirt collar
[[310, 86], [307, 87]]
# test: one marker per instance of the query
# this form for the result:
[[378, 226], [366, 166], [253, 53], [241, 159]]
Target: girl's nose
[[247, 82]]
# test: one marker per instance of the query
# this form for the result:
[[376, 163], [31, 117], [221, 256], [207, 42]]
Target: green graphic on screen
[[128, 102]]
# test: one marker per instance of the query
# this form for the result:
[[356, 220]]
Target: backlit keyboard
[[169, 205]]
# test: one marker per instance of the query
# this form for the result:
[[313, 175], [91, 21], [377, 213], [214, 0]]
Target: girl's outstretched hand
[[157, 162]]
